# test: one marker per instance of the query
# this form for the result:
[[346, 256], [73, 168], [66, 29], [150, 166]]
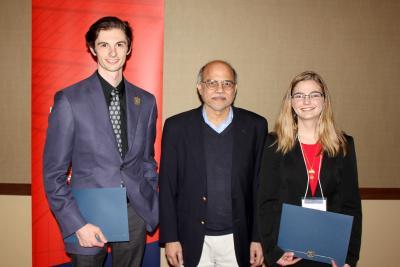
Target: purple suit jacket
[[80, 135]]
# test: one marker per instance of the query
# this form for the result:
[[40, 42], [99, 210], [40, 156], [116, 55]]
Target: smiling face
[[217, 100], [111, 48], [310, 105]]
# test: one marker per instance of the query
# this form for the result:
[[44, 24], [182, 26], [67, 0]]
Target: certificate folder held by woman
[[315, 235]]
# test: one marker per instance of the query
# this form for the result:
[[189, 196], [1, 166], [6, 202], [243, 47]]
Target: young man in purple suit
[[104, 128]]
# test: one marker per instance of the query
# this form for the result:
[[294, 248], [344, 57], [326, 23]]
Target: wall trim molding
[[15, 189], [365, 192], [380, 193]]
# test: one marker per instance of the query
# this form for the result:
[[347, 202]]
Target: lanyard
[[308, 176]]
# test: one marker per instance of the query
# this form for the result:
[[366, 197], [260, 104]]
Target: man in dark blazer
[[103, 128], [208, 177]]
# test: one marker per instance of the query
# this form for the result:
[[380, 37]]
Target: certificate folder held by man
[[105, 208], [315, 235]]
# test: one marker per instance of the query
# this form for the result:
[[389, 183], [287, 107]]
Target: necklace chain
[[310, 167]]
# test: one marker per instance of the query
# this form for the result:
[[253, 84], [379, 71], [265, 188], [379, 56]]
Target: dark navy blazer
[[183, 182]]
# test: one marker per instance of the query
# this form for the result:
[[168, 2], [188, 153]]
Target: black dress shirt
[[107, 88]]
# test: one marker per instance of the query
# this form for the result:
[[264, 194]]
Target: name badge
[[314, 203]]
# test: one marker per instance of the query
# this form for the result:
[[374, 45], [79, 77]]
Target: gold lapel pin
[[137, 100]]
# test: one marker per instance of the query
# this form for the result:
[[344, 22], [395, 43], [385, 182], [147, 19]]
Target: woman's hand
[[288, 259], [335, 265]]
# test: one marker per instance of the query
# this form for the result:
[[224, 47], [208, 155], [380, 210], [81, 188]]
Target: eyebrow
[[314, 91], [119, 42]]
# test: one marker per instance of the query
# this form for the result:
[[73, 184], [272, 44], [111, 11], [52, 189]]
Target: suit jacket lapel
[[194, 131], [133, 107], [239, 135], [325, 172], [100, 111]]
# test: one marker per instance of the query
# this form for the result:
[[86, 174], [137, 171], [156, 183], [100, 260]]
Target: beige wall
[[381, 220], [16, 231], [15, 89]]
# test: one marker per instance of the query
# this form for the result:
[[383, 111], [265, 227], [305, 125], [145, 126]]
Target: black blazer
[[183, 188], [283, 179]]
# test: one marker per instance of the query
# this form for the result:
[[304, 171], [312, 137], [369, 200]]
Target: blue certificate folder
[[105, 208], [315, 235]]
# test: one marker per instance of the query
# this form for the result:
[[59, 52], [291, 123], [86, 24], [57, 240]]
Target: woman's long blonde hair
[[331, 138]]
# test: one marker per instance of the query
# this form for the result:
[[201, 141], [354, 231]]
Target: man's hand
[[173, 252], [90, 236], [288, 259], [256, 254]]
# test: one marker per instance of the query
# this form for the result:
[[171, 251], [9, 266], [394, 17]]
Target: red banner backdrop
[[59, 59]]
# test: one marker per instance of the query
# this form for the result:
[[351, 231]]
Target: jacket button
[[202, 222], [204, 199], [121, 167]]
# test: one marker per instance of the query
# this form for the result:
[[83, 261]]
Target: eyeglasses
[[227, 85], [313, 96]]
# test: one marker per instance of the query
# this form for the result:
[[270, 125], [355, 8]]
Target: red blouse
[[312, 159]]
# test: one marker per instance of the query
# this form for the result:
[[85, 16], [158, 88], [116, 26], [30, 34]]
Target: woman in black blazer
[[307, 155]]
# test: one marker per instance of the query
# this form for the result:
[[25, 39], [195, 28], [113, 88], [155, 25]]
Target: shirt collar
[[108, 87], [220, 128]]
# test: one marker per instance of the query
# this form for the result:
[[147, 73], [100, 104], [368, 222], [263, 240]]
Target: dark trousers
[[127, 254]]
